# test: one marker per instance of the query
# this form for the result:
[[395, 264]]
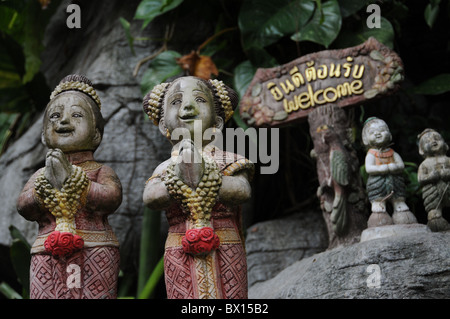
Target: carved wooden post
[[315, 87], [341, 192]]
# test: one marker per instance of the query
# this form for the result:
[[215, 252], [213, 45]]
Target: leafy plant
[[324, 26], [23, 89], [438, 84], [260, 26], [151, 263], [151, 266], [266, 33], [20, 259]]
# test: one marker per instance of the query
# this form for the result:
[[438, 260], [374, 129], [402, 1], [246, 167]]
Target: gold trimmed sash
[[226, 236], [91, 239]]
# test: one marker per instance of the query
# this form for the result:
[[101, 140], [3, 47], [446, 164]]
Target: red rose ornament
[[200, 241], [63, 243]]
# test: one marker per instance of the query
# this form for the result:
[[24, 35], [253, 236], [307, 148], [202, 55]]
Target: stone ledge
[[407, 266], [393, 230]]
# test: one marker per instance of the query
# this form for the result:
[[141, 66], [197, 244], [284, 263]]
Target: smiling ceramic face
[[69, 123], [432, 143], [377, 134], [189, 100]]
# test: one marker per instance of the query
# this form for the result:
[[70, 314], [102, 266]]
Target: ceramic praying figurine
[[385, 182], [200, 187], [75, 255], [434, 177]]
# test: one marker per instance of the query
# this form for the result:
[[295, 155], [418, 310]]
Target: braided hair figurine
[[201, 188], [75, 255]]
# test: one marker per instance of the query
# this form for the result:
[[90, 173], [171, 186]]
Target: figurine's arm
[[397, 166], [57, 168], [105, 195], [445, 172], [372, 168], [426, 173], [28, 205], [156, 196], [235, 189]]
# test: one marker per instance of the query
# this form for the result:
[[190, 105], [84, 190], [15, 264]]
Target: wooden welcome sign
[[347, 77]]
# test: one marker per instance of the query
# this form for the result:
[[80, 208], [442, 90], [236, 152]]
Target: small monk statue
[[201, 188], [434, 177], [385, 182], [75, 255]]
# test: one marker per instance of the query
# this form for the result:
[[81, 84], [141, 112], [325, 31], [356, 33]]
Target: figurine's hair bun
[[153, 100], [421, 143], [76, 82], [225, 99], [427, 130]]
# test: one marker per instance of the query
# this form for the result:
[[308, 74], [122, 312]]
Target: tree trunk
[[341, 192]]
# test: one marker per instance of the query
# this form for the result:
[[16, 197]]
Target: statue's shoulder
[[231, 163]]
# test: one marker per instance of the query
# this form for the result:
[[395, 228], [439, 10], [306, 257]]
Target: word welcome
[[282, 90], [330, 94]]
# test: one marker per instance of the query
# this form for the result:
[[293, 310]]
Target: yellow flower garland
[[199, 201], [65, 203]]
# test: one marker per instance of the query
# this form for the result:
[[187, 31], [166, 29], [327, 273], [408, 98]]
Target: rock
[[131, 144], [16, 167], [274, 245], [412, 265], [392, 230]]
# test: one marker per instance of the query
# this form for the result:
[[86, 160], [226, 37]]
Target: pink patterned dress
[[89, 273], [222, 274]]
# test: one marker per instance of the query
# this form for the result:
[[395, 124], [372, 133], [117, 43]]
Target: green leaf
[[349, 7], [14, 100], [160, 69], [149, 249], [126, 27], [8, 292], [21, 258], [32, 43], [261, 58], [324, 27], [16, 234], [243, 75], [433, 86], [431, 13], [12, 58], [9, 79], [263, 22], [14, 4], [384, 34], [6, 119], [153, 280], [150, 9], [8, 17]]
